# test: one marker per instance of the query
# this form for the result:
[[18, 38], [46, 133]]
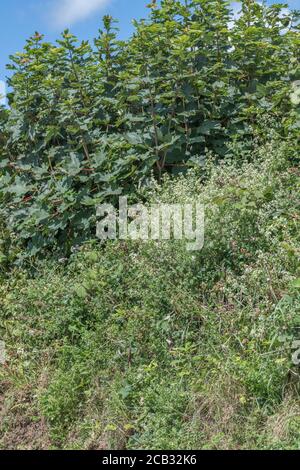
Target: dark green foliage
[[88, 122], [148, 346]]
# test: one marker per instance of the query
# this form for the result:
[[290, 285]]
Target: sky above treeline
[[21, 18]]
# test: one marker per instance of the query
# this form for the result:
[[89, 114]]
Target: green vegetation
[[133, 345], [88, 123], [137, 345]]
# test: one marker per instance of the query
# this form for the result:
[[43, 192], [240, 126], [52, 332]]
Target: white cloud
[[64, 13], [2, 93], [284, 13], [236, 8]]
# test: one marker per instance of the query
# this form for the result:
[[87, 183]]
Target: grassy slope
[[148, 346]]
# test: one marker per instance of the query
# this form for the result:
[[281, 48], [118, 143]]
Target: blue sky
[[21, 18]]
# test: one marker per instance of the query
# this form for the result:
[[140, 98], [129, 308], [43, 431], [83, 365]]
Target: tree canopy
[[87, 122]]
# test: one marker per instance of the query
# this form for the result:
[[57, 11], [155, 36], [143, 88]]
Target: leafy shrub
[[88, 122]]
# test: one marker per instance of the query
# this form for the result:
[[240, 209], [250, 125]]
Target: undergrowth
[[134, 345]]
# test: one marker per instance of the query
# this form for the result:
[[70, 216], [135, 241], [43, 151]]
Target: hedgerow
[[133, 345], [88, 122]]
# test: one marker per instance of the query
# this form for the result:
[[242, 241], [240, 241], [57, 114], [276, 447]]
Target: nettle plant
[[88, 122]]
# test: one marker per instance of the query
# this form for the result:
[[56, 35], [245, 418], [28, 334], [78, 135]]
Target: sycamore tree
[[88, 122]]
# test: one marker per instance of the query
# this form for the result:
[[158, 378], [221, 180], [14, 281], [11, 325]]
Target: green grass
[[147, 346]]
